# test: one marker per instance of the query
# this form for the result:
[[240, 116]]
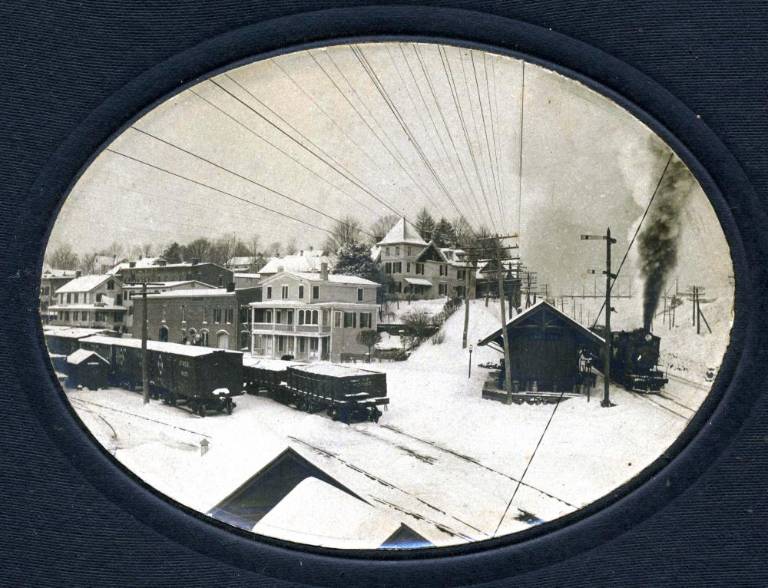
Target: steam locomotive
[[634, 359]]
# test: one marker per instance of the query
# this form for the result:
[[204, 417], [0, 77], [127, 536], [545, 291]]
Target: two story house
[[313, 316], [419, 269], [94, 301]]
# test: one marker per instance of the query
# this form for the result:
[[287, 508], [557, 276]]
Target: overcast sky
[[380, 137]]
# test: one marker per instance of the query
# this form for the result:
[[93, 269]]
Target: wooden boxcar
[[63, 340], [200, 378], [346, 393]]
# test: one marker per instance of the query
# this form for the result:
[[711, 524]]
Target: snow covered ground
[[441, 460]]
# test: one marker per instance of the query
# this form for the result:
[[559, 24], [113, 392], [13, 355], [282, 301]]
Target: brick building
[[156, 269], [132, 296], [94, 301], [211, 317], [313, 316]]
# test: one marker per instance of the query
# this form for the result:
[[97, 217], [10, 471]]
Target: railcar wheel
[[228, 406], [201, 410]]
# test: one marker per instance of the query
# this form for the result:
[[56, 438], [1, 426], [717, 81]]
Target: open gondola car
[[346, 393], [200, 378]]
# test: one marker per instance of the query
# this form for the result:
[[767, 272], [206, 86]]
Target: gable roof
[[342, 279], [535, 309], [402, 233], [86, 283], [310, 261], [80, 355]]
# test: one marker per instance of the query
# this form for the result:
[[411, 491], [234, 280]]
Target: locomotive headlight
[[647, 336]]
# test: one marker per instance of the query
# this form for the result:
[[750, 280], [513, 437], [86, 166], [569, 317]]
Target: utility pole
[[470, 270], [144, 354], [606, 402]]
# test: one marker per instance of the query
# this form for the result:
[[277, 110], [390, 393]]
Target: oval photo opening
[[387, 296]]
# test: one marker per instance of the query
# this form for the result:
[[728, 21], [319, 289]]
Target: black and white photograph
[[390, 295]]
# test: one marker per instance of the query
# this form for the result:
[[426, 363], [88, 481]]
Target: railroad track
[[138, 416], [440, 526], [475, 462], [661, 406]]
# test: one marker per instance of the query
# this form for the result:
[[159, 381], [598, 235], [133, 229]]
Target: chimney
[[131, 264], [195, 261], [324, 271], [78, 273], [280, 268], [301, 253], [230, 287]]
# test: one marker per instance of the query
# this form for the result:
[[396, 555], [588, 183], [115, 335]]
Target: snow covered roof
[[172, 284], [82, 306], [193, 292], [80, 355], [138, 263], [177, 348], [68, 332], [242, 260], [245, 275], [85, 283], [419, 281], [315, 512], [332, 278], [264, 363], [333, 369], [59, 274], [402, 233], [541, 304], [309, 261]]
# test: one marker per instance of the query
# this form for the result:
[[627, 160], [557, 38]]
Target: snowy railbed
[[442, 460]]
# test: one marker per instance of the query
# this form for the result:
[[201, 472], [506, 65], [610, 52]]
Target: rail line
[[661, 406], [386, 484], [138, 416], [473, 461]]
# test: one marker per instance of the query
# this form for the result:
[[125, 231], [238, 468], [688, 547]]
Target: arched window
[[163, 334], [315, 314], [301, 317]]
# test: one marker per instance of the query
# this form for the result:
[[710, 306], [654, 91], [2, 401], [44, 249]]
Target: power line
[[238, 175], [485, 131], [457, 104], [281, 150], [397, 160], [434, 124], [326, 159], [528, 465], [203, 184], [403, 124], [377, 165], [637, 230]]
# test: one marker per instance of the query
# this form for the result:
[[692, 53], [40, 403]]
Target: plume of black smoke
[[659, 240]]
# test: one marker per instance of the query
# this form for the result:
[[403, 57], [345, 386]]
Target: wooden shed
[[547, 349], [88, 369]]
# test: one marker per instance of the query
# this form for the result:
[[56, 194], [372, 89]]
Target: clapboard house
[[547, 350]]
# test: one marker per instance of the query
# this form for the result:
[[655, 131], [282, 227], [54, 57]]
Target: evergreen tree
[[173, 253], [354, 259], [443, 234], [425, 224]]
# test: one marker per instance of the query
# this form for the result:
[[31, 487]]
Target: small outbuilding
[[547, 350], [88, 369]]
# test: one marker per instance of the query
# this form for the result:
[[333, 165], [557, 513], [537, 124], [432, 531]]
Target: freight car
[[345, 393], [200, 378], [64, 340], [634, 360]]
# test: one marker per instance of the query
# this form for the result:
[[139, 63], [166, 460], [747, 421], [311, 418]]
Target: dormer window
[[110, 285]]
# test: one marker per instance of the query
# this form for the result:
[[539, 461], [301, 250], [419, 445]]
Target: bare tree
[[382, 226], [291, 248], [115, 250], [148, 249], [462, 231], [369, 338], [63, 257], [88, 263], [253, 245], [346, 231], [275, 249], [198, 249]]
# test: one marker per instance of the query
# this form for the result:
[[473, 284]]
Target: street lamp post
[[469, 370]]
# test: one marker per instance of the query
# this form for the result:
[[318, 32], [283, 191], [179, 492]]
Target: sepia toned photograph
[[387, 295]]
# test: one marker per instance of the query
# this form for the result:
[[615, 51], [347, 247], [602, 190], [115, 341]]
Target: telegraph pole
[[606, 402], [467, 283], [144, 354]]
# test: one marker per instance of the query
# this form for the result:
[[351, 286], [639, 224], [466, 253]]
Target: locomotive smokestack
[[659, 240]]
